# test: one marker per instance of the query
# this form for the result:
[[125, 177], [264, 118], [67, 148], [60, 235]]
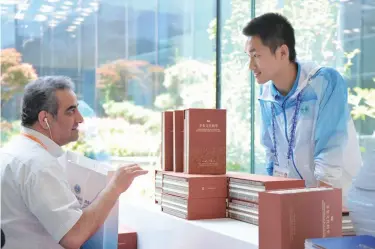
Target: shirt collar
[[277, 95], [53, 148]]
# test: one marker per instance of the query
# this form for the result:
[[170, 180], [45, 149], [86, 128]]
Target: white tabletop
[[156, 229]]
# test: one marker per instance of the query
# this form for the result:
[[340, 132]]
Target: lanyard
[[291, 141], [34, 139]]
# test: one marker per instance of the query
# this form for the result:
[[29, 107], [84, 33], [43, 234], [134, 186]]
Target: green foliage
[[236, 88], [349, 62], [234, 167], [188, 84], [133, 114], [363, 102], [116, 137], [8, 130]]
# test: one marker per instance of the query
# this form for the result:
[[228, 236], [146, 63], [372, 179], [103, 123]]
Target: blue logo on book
[[77, 189]]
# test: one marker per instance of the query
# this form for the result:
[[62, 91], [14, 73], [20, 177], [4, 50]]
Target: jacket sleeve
[[331, 130], [266, 140]]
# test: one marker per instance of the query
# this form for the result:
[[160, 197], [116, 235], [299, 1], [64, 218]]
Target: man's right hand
[[124, 177]]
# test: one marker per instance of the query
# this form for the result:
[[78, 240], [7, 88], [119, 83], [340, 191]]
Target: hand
[[124, 177]]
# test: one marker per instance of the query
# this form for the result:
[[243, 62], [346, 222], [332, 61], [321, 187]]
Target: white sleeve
[[48, 196]]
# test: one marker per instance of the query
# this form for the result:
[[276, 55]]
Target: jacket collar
[[305, 71]]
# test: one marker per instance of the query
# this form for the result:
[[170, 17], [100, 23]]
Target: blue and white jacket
[[326, 147]]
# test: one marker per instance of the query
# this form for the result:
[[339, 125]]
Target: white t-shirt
[[37, 205]]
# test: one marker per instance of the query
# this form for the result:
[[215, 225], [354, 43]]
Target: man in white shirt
[[38, 209]]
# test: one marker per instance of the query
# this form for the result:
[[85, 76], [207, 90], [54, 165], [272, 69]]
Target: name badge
[[280, 171]]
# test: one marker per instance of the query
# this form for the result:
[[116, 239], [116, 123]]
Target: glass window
[[235, 84], [129, 61], [132, 59]]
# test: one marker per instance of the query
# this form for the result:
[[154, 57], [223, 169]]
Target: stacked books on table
[[192, 183], [194, 197], [347, 242], [288, 217], [244, 192], [347, 224]]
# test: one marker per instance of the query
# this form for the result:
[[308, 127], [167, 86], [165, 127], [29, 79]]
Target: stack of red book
[[194, 197], [193, 162], [193, 141], [244, 189]]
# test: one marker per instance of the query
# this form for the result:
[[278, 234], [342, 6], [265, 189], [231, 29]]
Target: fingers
[[133, 169], [139, 172], [130, 168]]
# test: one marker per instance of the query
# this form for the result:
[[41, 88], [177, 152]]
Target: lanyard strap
[[31, 137], [291, 141]]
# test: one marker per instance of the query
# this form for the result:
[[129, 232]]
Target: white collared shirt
[[37, 205]]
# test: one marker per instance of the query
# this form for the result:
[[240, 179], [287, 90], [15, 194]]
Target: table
[[157, 230]]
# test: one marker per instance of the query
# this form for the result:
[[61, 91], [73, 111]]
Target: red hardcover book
[[194, 208], [243, 211], [195, 186], [290, 216], [127, 238], [178, 141], [205, 141], [167, 141], [246, 187]]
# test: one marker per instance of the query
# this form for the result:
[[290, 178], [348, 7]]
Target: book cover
[[205, 141], [291, 216], [178, 141], [167, 141], [349, 242]]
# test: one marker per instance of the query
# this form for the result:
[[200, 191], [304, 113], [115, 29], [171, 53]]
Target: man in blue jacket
[[307, 130]]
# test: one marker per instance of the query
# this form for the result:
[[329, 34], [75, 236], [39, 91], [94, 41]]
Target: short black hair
[[274, 30], [40, 95]]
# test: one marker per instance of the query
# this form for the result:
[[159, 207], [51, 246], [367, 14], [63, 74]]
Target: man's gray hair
[[40, 95]]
